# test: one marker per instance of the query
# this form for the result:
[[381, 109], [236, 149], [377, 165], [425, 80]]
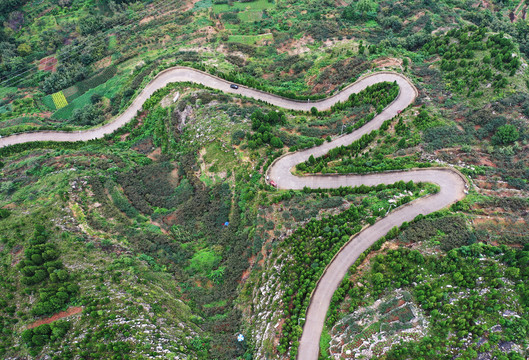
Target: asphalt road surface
[[452, 184]]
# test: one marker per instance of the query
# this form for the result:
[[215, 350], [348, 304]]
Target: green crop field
[[59, 100], [250, 39], [112, 42], [253, 5], [250, 15], [107, 89]]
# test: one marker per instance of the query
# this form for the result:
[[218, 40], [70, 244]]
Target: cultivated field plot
[[48, 64], [241, 6], [59, 100], [251, 39]]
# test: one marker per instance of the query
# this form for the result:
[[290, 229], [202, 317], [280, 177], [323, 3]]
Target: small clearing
[[71, 311], [388, 62]]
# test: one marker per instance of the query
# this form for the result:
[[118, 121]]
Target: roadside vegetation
[[472, 297]]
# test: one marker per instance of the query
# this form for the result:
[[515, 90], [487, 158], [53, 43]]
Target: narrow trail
[[60, 315], [452, 184]]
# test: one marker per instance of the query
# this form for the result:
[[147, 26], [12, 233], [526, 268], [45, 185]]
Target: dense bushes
[[38, 258], [313, 247], [451, 232], [98, 79], [360, 10], [346, 190], [41, 266], [378, 95], [122, 97], [484, 272], [151, 186], [492, 279], [251, 81], [444, 136], [314, 165], [263, 125], [343, 71], [4, 213], [505, 135], [37, 337], [63, 78], [88, 115], [196, 215], [461, 65]]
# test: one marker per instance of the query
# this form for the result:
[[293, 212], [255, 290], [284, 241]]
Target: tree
[[27, 335], [276, 142], [365, 6], [87, 115], [89, 25], [95, 98], [506, 134], [4, 213], [378, 278], [24, 49]]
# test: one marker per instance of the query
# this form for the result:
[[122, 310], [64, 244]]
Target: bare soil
[[296, 47], [103, 63], [388, 62], [48, 64], [71, 311]]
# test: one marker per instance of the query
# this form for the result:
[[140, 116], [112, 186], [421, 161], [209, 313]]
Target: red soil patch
[[160, 226], [147, 19], [486, 162], [207, 285], [173, 177], [155, 154], [246, 272], [103, 63], [48, 64], [45, 12], [170, 219], [296, 47], [189, 5], [71, 311]]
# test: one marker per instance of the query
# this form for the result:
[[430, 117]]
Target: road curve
[[183, 74], [452, 188], [452, 184]]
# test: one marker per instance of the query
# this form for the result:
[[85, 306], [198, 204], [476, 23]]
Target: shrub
[[88, 115], [506, 134]]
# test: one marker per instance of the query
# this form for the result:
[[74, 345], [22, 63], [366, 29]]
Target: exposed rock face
[[180, 117], [371, 331]]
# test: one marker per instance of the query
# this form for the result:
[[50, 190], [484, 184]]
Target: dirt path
[[71, 311]]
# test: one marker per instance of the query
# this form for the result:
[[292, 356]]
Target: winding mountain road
[[452, 183]]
